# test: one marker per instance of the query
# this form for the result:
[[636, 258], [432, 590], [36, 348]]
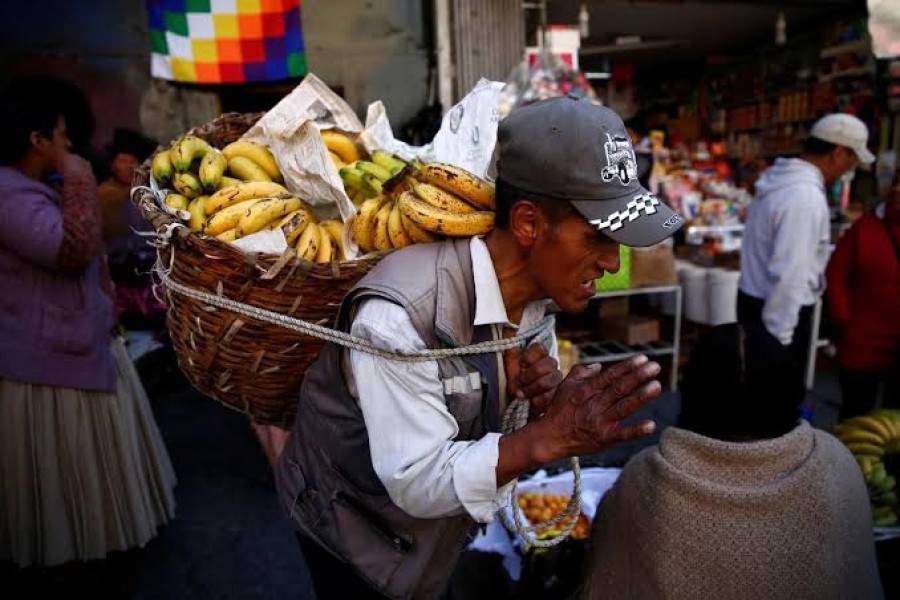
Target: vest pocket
[[466, 409], [368, 541]]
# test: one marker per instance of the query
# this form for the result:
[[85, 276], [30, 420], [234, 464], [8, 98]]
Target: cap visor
[[865, 156], [637, 219]]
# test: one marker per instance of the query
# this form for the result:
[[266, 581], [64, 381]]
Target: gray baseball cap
[[574, 150]]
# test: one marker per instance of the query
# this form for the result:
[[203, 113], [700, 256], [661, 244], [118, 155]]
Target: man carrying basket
[[391, 463]]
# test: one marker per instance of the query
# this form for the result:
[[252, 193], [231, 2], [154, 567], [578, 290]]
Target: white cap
[[847, 131]]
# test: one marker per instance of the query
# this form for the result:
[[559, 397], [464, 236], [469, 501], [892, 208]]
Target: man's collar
[[489, 307]]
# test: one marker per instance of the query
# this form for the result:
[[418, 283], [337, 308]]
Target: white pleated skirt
[[82, 473]]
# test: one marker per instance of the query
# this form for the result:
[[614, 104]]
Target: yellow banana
[[863, 449], [309, 242], [227, 218], [162, 166], [258, 153], [357, 197], [381, 237], [474, 190], [293, 224], [373, 169], [326, 247], [444, 200], [859, 435], [185, 150], [866, 462], [244, 190], [198, 213], [265, 211], [387, 160], [342, 145], [227, 181], [212, 169], [229, 235], [187, 185], [399, 237], [335, 229], [440, 221], [416, 233], [177, 201], [362, 224], [340, 164], [872, 424], [247, 170]]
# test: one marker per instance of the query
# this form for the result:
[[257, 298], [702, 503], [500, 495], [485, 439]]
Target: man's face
[[566, 259], [52, 149], [842, 161], [123, 167]]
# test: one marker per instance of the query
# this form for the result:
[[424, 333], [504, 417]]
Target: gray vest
[[325, 477]]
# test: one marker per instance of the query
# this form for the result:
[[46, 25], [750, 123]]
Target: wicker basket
[[247, 364]]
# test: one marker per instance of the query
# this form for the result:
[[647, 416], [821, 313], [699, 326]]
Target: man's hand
[[532, 374], [583, 417]]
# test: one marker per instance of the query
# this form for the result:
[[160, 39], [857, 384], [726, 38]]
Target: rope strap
[[515, 417]]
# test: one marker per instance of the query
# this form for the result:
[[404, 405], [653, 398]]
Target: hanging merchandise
[[549, 76], [214, 43]]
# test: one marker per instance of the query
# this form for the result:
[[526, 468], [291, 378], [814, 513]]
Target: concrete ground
[[229, 540]]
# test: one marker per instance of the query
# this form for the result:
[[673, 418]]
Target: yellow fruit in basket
[[416, 233], [326, 247], [264, 211], [444, 200], [342, 145], [227, 218], [381, 237], [176, 201], [257, 153], [336, 160], [293, 224], [863, 449], [335, 229], [187, 185], [162, 166], [227, 182], [444, 222], [872, 424], [474, 190], [185, 150], [198, 213], [859, 435], [363, 222], [247, 170], [398, 235], [229, 235], [212, 169], [308, 244], [244, 190]]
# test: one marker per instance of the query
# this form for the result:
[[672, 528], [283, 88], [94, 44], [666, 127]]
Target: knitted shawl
[[696, 518]]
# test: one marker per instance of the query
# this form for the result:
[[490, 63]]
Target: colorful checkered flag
[[226, 41]]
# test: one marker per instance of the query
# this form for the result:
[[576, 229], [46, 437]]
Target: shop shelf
[[614, 351]]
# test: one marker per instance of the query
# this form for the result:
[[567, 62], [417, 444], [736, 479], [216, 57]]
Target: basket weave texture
[[244, 363]]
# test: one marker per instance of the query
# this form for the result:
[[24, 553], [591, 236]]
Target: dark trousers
[[859, 390], [334, 579], [749, 315]]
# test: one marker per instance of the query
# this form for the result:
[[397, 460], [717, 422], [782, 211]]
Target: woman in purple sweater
[[83, 468]]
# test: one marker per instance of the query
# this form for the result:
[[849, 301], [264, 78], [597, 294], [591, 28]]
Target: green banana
[[387, 160], [374, 169]]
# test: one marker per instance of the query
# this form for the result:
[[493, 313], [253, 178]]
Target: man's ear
[[36, 140], [525, 222]]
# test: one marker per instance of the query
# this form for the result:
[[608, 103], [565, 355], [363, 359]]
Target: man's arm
[[411, 432]]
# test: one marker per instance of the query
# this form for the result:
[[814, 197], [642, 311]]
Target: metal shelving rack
[[612, 351]]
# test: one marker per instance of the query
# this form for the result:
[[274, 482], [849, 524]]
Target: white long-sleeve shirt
[[786, 243], [411, 432]]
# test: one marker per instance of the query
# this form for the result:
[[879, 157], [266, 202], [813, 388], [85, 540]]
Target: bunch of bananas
[[195, 169], [870, 438], [401, 203], [247, 207], [542, 507]]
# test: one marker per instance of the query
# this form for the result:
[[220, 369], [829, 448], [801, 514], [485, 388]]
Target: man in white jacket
[[787, 234]]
